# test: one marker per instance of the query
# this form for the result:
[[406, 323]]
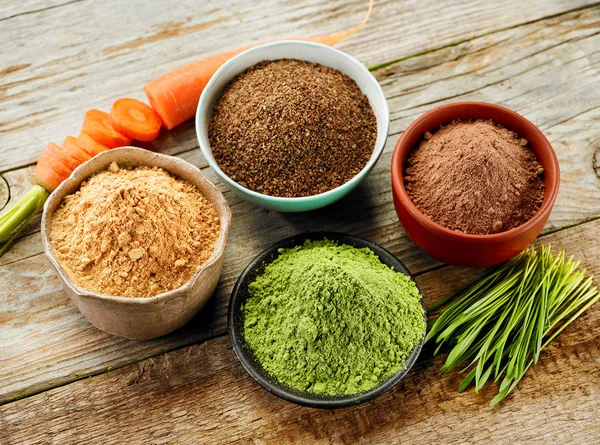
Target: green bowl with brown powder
[[306, 150], [326, 320]]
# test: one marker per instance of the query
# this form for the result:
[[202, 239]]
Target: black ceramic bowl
[[252, 365]]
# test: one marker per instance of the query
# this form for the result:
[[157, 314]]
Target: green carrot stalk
[[15, 220]]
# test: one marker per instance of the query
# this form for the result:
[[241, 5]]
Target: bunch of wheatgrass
[[498, 324]]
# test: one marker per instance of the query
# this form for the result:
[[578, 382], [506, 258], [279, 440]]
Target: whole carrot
[[175, 95]]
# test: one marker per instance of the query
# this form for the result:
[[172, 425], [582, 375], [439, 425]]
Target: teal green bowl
[[311, 52]]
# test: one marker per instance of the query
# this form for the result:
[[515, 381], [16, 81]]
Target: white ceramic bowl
[[311, 52]]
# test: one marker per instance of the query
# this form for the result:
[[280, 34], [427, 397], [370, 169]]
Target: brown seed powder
[[134, 232], [476, 177], [292, 128]]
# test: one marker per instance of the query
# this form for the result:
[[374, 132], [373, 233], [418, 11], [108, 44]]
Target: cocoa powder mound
[[134, 232], [476, 177]]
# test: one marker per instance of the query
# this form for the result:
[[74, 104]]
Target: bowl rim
[[377, 149], [398, 189], [59, 194], [250, 363]]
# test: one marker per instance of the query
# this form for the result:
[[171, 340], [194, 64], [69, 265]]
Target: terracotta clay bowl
[[459, 248], [142, 318], [235, 323]]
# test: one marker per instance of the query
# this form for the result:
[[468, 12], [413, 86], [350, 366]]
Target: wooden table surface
[[63, 381]]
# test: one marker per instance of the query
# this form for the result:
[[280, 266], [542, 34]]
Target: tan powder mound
[[134, 232], [476, 177]]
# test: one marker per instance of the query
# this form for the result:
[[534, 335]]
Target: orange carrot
[[50, 172], [135, 119], [97, 124], [175, 95], [70, 145], [89, 145], [63, 156]]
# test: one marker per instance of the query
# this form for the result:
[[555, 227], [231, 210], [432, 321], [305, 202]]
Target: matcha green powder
[[332, 319]]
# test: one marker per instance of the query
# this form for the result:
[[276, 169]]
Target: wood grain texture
[[35, 314], [201, 394], [10, 9], [102, 50]]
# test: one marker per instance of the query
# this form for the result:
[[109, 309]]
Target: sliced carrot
[[47, 177], [89, 145], [50, 172], [63, 156], [135, 119], [175, 95], [97, 124], [70, 145]]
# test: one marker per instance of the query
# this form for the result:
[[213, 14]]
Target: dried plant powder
[[332, 319], [134, 232], [292, 128], [476, 177]]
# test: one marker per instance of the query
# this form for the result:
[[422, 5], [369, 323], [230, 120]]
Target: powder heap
[[331, 319], [134, 232], [476, 177], [292, 128]]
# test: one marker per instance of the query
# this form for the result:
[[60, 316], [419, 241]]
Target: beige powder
[[134, 232]]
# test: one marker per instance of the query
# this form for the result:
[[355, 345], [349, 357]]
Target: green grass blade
[[467, 381]]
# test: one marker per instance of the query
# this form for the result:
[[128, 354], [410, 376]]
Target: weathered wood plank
[[103, 50], [11, 9], [36, 314], [202, 394]]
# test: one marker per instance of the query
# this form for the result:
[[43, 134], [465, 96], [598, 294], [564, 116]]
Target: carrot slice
[[50, 172], [97, 124], [71, 147], [175, 95], [89, 145], [135, 119], [61, 155], [47, 177]]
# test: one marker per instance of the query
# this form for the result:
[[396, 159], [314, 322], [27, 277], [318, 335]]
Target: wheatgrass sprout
[[496, 326]]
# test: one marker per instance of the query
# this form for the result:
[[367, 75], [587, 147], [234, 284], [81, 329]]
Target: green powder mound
[[332, 319]]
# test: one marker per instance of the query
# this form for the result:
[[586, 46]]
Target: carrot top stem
[[14, 221]]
